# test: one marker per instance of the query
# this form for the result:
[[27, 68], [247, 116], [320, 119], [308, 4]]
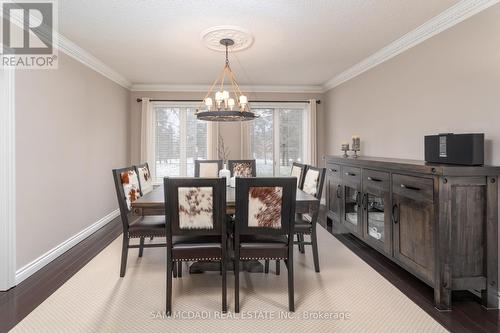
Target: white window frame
[[182, 132], [276, 126]]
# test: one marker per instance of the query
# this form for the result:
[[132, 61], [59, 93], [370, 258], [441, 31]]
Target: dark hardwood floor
[[467, 315], [18, 302]]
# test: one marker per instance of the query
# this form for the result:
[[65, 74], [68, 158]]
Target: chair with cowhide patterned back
[[145, 178], [242, 168], [265, 210], [305, 224], [196, 231], [128, 190]]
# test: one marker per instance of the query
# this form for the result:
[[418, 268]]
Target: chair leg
[[266, 266], [179, 269], [291, 290], [151, 238], [236, 285], [302, 248], [170, 265], [141, 247], [123, 266], [314, 242], [174, 270], [278, 266], [224, 286]]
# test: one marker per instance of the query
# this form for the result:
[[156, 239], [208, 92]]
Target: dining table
[[153, 203]]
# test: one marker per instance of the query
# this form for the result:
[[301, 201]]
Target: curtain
[[312, 135], [148, 136]]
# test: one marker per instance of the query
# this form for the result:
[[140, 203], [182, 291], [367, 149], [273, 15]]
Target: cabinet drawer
[[416, 188], [351, 176], [376, 180], [333, 171]]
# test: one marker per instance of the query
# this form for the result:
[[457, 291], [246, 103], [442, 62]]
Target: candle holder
[[356, 146], [345, 149]]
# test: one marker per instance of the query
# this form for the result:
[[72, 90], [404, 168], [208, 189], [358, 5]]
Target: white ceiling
[[296, 42]]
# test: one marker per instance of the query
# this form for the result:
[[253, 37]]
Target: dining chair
[[127, 191], [305, 224], [207, 168], [265, 210], [298, 171], [145, 179], [196, 211], [242, 168]]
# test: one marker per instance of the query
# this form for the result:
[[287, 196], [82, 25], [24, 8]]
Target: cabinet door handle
[[333, 170], [408, 187], [374, 179], [350, 174], [395, 212], [339, 190], [365, 201], [358, 203]]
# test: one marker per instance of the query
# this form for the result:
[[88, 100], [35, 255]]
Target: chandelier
[[227, 103]]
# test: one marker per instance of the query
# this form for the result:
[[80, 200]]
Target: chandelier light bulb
[[218, 97], [230, 103], [225, 95]]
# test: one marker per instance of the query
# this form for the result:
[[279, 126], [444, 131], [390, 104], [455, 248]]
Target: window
[[278, 137], [180, 139]]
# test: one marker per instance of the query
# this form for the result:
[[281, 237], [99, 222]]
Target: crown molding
[[447, 19], [248, 88], [76, 52]]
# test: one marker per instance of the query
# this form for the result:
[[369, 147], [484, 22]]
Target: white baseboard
[[35, 265]]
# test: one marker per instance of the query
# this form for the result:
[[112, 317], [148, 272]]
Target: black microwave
[[449, 148]]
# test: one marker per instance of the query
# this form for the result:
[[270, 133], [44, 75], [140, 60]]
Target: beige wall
[[449, 83], [230, 132], [71, 131]]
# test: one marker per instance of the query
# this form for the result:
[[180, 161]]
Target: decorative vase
[[225, 173]]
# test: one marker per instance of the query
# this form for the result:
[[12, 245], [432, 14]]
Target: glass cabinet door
[[351, 207], [375, 207]]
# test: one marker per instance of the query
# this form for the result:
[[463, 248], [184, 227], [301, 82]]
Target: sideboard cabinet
[[439, 222]]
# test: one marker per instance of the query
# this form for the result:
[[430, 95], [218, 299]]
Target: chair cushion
[[311, 182], [130, 183], [147, 226], [264, 207], [303, 228], [146, 180], [296, 172], [263, 246], [242, 169], [196, 247], [196, 208], [209, 170], [302, 224]]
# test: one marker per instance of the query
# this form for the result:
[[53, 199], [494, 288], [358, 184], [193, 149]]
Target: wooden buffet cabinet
[[439, 222]]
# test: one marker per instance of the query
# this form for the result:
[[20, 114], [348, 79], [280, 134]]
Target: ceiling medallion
[[242, 38], [228, 102]]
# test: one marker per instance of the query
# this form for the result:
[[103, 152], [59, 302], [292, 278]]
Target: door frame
[[7, 180]]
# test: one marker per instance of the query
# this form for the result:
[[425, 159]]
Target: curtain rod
[[199, 101]]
